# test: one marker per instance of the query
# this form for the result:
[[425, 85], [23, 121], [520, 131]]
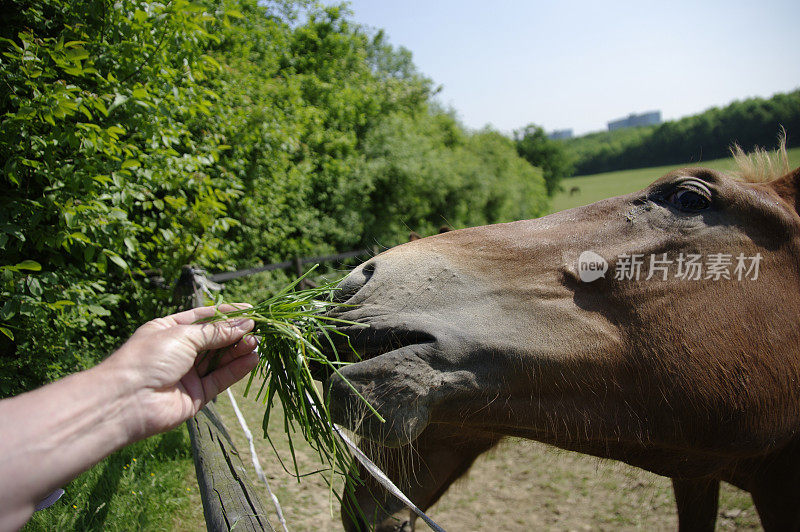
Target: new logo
[[591, 266]]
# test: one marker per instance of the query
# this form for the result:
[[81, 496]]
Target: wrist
[[120, 370], [122, 386], [113, 389]]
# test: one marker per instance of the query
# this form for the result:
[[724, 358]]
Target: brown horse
[[511, 329]]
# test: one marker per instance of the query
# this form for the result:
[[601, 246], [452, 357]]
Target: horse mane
[[761, 165]]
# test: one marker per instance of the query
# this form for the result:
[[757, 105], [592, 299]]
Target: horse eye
[[689, 200]]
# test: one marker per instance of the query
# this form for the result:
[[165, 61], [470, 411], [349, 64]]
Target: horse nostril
[[368, 268], [354, 282]]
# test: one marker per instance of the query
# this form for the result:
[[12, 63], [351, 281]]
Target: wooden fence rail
[[230, 501], [294, 263]]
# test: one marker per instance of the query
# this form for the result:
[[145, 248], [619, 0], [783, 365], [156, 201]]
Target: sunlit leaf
[[119, 261], [30, 265]]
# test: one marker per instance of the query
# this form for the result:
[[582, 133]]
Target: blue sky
[[579, 64]]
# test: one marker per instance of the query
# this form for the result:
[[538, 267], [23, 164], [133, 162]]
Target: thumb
[[207, 336]]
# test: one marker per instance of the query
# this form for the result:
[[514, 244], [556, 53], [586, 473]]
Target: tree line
[[138, 136], [750, 123]]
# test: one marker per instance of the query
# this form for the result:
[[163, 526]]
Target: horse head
[[658, 328]]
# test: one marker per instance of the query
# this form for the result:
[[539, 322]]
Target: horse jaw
[[404, 416], [402, 387]]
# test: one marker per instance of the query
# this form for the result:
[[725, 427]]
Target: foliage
[[105, 174], [137, 136], [537, 148], [426, 172], [709, 135]]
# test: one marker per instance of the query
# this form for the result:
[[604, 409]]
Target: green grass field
[[600, 186], [149, 485]]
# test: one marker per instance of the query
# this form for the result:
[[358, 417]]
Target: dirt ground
[[521, 485]]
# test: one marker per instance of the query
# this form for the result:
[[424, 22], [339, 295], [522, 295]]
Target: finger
[[193, 315], [242, 347], [219, 359], [219, 379], [208, 336]]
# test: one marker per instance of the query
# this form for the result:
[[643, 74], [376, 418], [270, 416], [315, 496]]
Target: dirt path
[[520, 486]]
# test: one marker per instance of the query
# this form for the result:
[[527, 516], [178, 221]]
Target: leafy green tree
[[708, 135], [535, 147], [106, 172], [428, 172]]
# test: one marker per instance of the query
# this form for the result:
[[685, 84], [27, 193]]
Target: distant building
[[651, 118], [560, 134]]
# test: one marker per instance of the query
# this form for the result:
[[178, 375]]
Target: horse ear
[[788, 188]]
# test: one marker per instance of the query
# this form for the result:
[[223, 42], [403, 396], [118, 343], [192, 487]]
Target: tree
[[534, 146], [708, 135]]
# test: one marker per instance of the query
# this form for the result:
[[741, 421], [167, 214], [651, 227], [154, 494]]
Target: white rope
[[256, 463], [385, 481]]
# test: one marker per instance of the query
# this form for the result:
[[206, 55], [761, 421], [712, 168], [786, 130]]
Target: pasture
[[600, 186]]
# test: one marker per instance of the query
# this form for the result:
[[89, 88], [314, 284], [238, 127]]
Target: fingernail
[[251, 340]]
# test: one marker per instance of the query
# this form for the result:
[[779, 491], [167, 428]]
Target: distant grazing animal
[[574, 190], [494, 331]]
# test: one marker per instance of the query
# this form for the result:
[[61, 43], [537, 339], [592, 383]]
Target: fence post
[[229, 499], [297, 262]]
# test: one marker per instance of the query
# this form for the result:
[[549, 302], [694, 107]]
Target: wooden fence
[[297, 264]]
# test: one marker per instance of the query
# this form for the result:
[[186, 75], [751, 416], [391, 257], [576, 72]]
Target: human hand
[[167, 379]]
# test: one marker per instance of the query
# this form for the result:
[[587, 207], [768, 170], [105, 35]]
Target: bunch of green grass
[[293, 330]]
